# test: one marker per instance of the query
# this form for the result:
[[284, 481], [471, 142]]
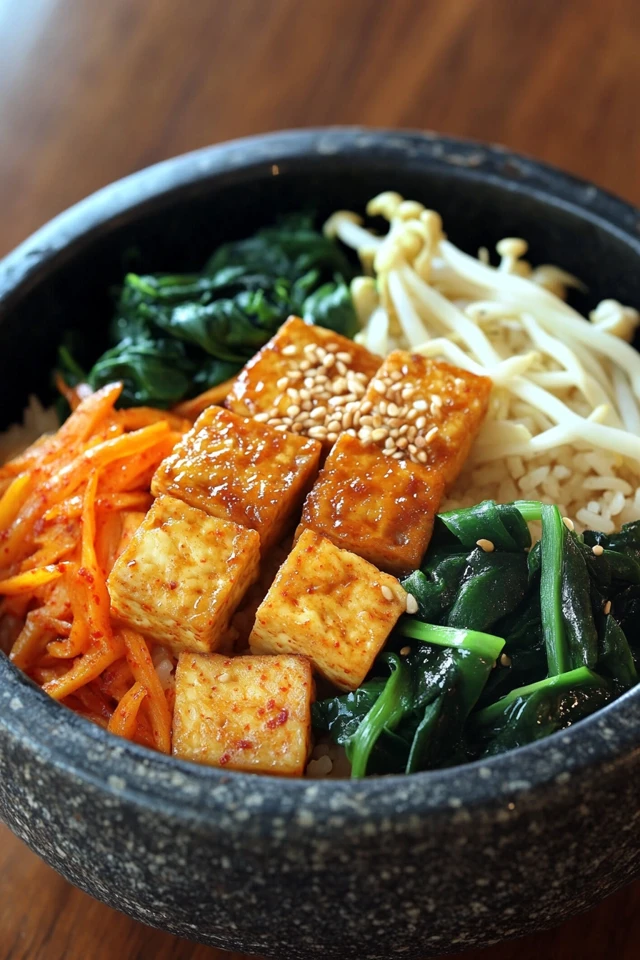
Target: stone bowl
[[397, 866]]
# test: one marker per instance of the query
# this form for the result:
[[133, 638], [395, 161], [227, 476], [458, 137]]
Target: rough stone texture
[[389, 867]]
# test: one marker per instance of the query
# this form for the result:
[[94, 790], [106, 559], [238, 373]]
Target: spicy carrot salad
[[300, 520]]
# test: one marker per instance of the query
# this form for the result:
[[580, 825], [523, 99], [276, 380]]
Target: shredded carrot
[[30, 580], [32, 640], [214, 396], [125, 717], [139, 659], [84, 669], [78, 636], [135, 417], [13, 498], [108, 534]]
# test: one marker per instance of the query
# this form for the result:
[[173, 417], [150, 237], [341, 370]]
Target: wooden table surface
[[91, 91]]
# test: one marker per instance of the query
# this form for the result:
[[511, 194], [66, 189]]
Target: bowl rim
[[193, 791]]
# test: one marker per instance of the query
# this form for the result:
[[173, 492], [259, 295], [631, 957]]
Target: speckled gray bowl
[[406, 867]]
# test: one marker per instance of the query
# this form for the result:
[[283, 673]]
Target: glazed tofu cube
[[436, 408], [307, 380], [380, 508], [236, 469], [182, 576], [244, 713], [331, 606]]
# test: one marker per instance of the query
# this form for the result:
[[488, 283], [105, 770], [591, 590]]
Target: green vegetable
[[581, 636], [616, 660], [436, 594], [553, 539], [501, 523], [174, 336], [384, 715], [535, 711], [493, 586], [484, 644]]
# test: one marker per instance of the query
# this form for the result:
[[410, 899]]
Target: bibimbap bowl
[[412, 866]]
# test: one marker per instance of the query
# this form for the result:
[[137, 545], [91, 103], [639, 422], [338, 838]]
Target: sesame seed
[[397, 455], [339, 385], [396, 375], [380, 433], [405, 651], [282, 383], [404, 429], [329, 361], [318, 413], [341, 367], [290, 350], [569, 524], [321, 353], [598, 549], [487, 545], [505, 660], [261, 417], [304, 365], [379, 386], [412, 449], [420, 405], [318, 432], [422, 457], [436, 401], [412, 414], [368, 421], [387, 592], [607, 607], [394, 432], [402, 443], [389, 444], [382, 407], [292, 393], [293, 410], [421, 422], [366, 406], [364, 433], [332, 437], [332, 347], [334, 426], [392, 410], [431, 434], [412, 604], [223, 677], [343, 356], [310, 349]]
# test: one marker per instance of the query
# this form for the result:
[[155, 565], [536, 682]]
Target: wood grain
[[92, 91]]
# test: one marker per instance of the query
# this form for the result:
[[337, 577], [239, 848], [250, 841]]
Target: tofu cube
[[244, 713], [182, 576], [306, 380], [331, 606], [236, 469], [441, 406], [380, 508]]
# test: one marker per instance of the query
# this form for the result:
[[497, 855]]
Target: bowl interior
[[177, 230]]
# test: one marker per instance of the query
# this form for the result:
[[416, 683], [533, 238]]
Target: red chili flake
[[85, 574], [271, 704], [277, 721], [244, 744], [224, 759], [172, 585]]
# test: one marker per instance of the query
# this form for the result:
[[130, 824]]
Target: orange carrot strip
[[116, 680], [109, 531], [213, 396], [32, 639], [98, 615], [74, 431], [139, 659], [72, 508], [135, 473], [125, 717], [13, 498], [18, 539], [84, 669], [135, 417], [31, 580]]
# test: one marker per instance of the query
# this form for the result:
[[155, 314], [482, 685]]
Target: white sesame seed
[[379, 386], [347, 419], [436, 401], [293, 410], [430, 434], [281, 427], [505, 660], [487, 545], [421, 423], [364, 433], [310, 349], [405, 651], [380, 433], [420, 405], [422, 457], [396, 424], [402, 443], [290, 350], [598, 549], [332, 346], [261, 417], [318, 432], [368, 421], [607, 607], [412, 449], [568, 522], [387, 592], [304, 365], [389, 444], [343, 356], [397, 455], [328, 361], [366, 406], [318, 413], [223, 677], [282, 383], [412, 414], [321, 353], [412, 605]]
